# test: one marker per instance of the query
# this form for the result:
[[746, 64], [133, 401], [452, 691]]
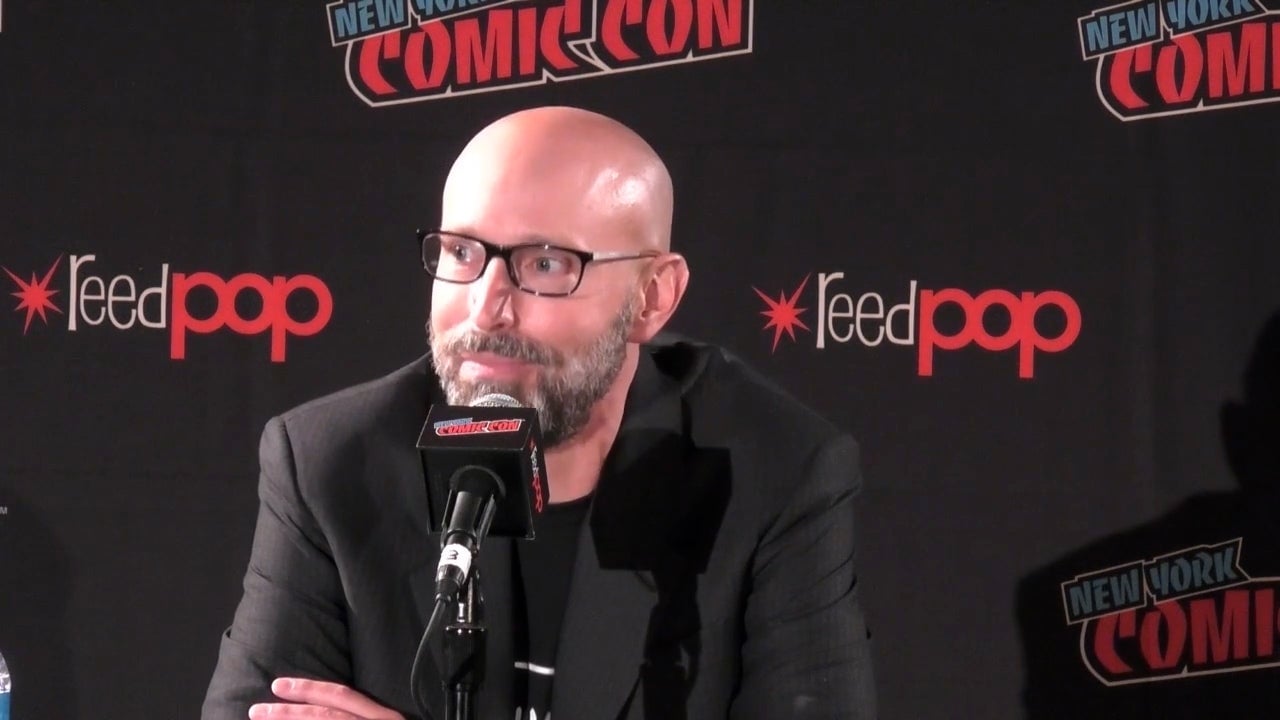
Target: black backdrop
[[923, 150]]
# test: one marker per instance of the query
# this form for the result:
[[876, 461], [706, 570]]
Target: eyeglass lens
[[537, 269]]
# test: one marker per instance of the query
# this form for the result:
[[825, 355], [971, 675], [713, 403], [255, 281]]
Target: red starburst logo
[[784, 316], [35, 296]]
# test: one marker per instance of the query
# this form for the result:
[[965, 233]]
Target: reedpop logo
[[171, 304], [919, 320]]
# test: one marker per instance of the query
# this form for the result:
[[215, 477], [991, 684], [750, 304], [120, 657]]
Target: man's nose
[[491, 297]]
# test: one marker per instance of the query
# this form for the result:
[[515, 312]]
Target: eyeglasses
[[535, 268]]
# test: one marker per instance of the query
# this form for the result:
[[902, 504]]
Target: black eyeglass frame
[[493, 250]]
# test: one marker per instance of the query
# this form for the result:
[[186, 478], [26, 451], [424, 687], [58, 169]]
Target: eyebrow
[[530, 239]]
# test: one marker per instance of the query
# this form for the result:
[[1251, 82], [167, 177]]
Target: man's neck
[[573, 468]]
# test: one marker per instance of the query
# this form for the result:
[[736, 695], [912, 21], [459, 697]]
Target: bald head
[[578, 165]]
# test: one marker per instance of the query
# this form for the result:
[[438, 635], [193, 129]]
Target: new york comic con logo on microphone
[[932, 320], [401, 51], [180, 303], [1167, 57], [1189, 613], [471, 426]]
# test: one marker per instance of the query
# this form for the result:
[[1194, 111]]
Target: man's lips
[[491, 365]]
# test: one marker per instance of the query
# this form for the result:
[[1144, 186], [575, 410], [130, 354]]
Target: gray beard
[[567, 387]]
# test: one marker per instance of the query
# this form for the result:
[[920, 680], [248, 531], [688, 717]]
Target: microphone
[[488, 456]]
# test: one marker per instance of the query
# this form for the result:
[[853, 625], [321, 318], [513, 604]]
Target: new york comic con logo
[[1169, 57], [945, 319], [401, 51], [124, 303], [471, 426], [1191, 612]]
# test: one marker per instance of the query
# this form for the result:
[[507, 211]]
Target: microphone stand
[[464, 652]]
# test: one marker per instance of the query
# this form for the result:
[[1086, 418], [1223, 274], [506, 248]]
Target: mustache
[[503, 345]]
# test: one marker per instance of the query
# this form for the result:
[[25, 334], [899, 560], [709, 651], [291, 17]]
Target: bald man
[[696, 559]]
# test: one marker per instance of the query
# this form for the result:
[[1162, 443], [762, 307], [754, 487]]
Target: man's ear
[[662, 289]]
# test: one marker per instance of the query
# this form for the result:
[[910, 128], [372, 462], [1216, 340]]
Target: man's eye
[[548, 263]]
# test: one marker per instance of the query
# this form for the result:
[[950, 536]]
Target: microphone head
[[496, 400], [495, 433]]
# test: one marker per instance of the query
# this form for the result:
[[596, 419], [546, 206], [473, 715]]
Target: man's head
[[576, 180]]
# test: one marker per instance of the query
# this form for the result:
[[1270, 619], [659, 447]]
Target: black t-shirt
[[544, 567]]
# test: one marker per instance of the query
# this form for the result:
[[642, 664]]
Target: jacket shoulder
[[731, 401], [403, 394]]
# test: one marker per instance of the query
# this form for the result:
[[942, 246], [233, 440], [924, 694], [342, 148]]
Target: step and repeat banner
[[1027, 253]]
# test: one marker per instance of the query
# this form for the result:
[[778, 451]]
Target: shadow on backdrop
[[35, 582], [1175, 618]]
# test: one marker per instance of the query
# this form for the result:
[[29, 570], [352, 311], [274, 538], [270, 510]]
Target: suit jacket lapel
[[612, 593]]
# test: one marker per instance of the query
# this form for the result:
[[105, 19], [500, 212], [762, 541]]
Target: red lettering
[[415, 65], [1188, 49], [1175, 636], [530, 42], [372, 50], [1264, 613], [481, 55], [1031, 305], [274, 315], [675, 42], [1228, 69], [1275, 56], [527, 29], [1123, 66], [725, 17], [612, 26], [1211, 631], [1109, 628], [480, 426], [1192, 636], [1022, 330], [285, 324], [558, 22]]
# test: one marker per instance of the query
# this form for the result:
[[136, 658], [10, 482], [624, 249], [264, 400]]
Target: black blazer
[[715, 575]]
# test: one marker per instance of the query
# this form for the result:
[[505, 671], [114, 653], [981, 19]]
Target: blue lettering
[[1185, 15], [1197, 12], [1224, 563], [1096, 35], [1121, 28], [1142, 22], [1080, 601], [1112, 590], [1180, 575], [1100, 597], [1201, 564], [426, 8], [356, 19], [390, 13], [343, 18], [1117, 29], [1127, 588], [1158, 579], [365, 8]]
